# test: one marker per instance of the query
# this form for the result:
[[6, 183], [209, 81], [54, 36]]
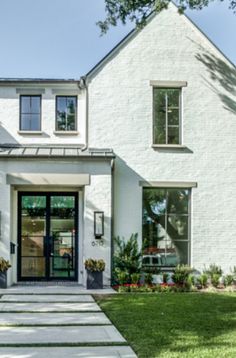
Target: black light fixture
[[98, 224]]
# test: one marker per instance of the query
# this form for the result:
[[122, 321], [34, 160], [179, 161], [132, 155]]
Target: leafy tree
[[137, 11]]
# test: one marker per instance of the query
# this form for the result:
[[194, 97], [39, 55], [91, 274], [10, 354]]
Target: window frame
[[189, 241], [76, 114], [40, 114]]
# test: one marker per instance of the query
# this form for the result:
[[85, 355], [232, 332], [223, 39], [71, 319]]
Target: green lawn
[[175, 325]]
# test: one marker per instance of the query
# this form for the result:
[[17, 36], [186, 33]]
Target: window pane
[[66, 113], [35, 122], [160, 135], [165, 226], [25, 104], [35, 105], [173, 116], [177, 227], [173, 135], [25, 122], [173, 97], [178, 201]]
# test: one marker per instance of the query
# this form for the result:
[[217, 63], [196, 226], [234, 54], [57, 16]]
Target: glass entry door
[[48, 236]]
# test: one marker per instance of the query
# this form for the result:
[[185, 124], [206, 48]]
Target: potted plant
[[95, 270], [4, 266]]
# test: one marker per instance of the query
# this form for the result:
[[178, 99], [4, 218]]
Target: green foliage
[[213, 270], [4, 264], [122, 277], [228, 280], [181, 274], [202, 280], [148, 278], [135, 278], [137, 11], [215, 279], [165, 277], [94, 265], [127, 256]]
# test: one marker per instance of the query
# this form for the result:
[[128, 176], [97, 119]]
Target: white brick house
[[148, 138]]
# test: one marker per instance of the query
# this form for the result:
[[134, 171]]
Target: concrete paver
[[57, 315], [72, 290], [47, 298], [52, 335], [52, 307], [75, 352], [53, 318]]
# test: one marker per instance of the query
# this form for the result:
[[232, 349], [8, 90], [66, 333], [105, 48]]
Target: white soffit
[[48, 179]]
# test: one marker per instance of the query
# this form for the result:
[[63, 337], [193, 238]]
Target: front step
[[68, 352], [11, 336], [53, 318], [46, 298]]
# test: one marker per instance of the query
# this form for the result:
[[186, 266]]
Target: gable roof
[[135, 31]]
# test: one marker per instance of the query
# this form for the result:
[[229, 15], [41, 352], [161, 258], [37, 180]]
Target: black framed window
[[166, 226], [30, 113], [167, 115], [66, 113]]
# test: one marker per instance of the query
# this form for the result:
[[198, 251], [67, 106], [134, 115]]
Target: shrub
[[202, 280], [148, 278], [181, 274], [135, 277], [122, 277], [213, 270], [123, 289], [228, 280], [165, 277], [4, 265], [127, 256], [215, 279], [94, 265]]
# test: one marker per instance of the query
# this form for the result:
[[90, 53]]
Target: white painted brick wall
[[10, 118], [120, 116]]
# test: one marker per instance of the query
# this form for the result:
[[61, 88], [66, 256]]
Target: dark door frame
[[47, 194]]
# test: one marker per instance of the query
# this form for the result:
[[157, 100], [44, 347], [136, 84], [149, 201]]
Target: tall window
[[166, 215], [30, 113], [66, 108], [167, 115]]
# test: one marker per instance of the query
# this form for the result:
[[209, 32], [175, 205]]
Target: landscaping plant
[[215, 279], [181, 274], [228, 280], [202, 280], [127, 255], [122, 277], [148, 278], [4, 264], [135, 278]]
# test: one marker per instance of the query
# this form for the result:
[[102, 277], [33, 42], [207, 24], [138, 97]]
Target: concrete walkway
[[56, 322]]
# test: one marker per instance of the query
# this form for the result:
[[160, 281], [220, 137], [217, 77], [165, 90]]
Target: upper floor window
[[167, 116], [30, 113], [66, 113]]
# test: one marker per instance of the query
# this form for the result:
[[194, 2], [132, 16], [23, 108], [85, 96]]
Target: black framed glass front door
[[47, 236]]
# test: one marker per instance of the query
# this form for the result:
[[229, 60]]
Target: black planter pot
[[94, 280], [3, 279]]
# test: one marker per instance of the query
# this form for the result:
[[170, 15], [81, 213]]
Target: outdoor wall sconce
[[98, 224], [12, 248]]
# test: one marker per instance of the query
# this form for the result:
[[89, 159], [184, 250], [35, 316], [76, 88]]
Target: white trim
[[30, 90], [48, 179], [168, 84], [168, 184]]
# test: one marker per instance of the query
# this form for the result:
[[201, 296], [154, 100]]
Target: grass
[[174, 325]]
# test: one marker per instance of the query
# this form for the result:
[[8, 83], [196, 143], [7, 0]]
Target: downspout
[[112, 216], [83, 85]]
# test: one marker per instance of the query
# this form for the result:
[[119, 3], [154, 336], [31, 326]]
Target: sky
[[60, 38]]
